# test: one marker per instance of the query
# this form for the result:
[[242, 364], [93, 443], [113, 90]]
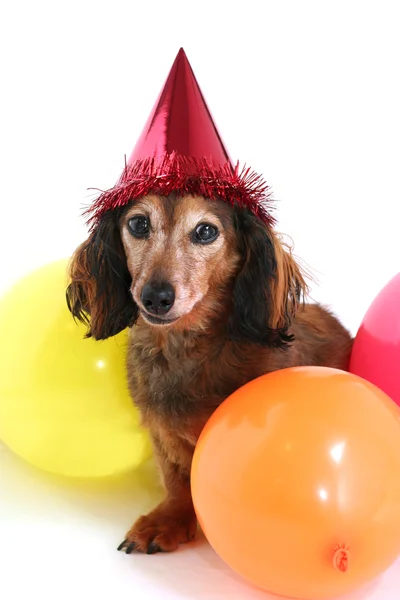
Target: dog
[[213, 298]]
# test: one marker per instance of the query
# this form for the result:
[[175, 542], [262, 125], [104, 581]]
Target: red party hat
[[180, 150]]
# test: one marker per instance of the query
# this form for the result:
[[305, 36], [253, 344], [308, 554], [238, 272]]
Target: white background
[[306, 93]]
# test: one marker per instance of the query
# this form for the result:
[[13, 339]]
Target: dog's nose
[[158, 298]]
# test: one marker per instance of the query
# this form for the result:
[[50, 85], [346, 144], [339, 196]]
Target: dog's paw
[[161, 531]]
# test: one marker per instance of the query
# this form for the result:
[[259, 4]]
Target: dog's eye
[[139, 226], [205, 233]]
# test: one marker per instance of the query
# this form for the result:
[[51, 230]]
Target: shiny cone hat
[[180, 150], [180, 121]]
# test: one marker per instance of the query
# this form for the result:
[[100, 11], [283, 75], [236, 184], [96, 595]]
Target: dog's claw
[[152, 548], [122, 545], [130, 548]]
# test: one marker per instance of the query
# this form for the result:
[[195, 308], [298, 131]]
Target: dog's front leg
[[173, 521]]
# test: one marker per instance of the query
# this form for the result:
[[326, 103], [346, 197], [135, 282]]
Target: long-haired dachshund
[[217, 299]]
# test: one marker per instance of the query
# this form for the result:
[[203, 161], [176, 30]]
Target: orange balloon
[[296, 482]]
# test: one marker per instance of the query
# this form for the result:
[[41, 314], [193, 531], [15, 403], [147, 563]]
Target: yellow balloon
[[64, 402]]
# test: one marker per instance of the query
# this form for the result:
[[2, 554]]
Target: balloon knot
[[341, 557]]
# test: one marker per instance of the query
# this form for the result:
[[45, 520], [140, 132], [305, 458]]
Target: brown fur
[[240, 314]]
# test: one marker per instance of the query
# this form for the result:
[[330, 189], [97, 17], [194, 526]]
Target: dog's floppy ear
[[98, 294], [269, 287]]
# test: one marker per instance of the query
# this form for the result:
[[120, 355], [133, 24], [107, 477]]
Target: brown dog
[[217, 300]]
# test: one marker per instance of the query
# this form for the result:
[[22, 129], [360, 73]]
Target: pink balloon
[[376, 351]]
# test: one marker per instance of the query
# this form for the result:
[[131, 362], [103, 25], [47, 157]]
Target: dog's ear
[[99, 294], [268, 288]]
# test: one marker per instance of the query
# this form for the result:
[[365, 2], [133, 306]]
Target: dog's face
[[182, 262], [179, 251]]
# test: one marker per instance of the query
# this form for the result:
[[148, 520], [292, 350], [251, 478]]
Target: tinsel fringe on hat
[[186, 175]]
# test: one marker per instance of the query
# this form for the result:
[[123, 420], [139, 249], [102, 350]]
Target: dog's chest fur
[[179, 379]]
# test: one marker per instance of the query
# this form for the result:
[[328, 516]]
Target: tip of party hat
[[180, 121]]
